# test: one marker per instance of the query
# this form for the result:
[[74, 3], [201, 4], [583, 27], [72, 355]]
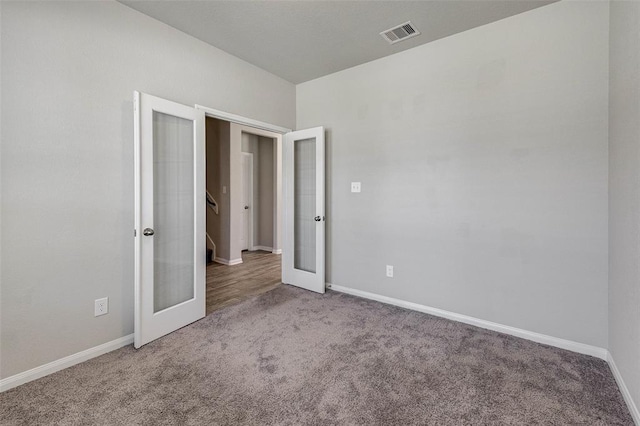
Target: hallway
[[228, 285]]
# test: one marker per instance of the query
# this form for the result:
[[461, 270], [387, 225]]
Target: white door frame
[[259, 128], [238, 119], [252, 218]]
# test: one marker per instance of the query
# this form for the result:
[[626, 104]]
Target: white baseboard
[[513, 331], [62, 363], [227, 261], [263, 248], [633, 408], [277, 251]]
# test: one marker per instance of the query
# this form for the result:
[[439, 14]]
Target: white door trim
[[238, 119], [259, 128]]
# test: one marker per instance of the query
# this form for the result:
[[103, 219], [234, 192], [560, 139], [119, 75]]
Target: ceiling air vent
[[399, 33]]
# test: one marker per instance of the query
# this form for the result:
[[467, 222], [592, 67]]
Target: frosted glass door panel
[[173, 210], [304, 211]]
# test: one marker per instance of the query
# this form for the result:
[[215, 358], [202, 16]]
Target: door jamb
[[256, 126], [238, 119]]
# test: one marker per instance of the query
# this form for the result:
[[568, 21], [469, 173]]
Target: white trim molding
[[513, 331], [227, 261], [62, 363], [234, 118], [633, 408], [277, 251]]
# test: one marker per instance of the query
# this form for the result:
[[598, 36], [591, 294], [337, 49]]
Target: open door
[[304, 215], [170, 231]]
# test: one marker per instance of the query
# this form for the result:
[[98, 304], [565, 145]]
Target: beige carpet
[[292, 357]]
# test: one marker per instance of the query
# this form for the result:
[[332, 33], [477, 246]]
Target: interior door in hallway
[[169, 217]]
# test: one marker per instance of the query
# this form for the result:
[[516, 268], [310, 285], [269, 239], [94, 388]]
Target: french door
[[304, 210], [169, 217]]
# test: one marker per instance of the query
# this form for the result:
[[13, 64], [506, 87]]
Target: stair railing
[[211, 202]]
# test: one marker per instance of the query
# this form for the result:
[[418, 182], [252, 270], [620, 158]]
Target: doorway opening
[[243, 213], [172, 199]]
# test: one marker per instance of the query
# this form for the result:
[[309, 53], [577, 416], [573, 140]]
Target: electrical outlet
[[101, 306], [356, 186], [390, 271]]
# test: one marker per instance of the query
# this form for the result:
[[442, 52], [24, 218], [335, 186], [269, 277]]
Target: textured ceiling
[[303, 40]]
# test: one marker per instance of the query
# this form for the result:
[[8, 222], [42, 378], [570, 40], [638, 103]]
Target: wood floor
[[227, 285]]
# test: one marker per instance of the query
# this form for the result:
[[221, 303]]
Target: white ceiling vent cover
[[400, 32]]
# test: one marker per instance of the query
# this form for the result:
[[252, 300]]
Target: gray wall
[[265, 185], [624, 192], [483, 162], [218, 144], [69, 70]]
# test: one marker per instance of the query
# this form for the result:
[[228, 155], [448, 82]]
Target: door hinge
[[135, 232]]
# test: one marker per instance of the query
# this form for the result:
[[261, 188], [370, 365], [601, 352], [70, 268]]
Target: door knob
[[317, 218], [148, 232]]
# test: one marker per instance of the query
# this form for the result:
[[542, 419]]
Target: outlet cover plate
[[101, 306], [390, 271], [356, 186]]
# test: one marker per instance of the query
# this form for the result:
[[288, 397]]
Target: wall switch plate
[[355, 186], [224, 189], [390, 271], [101, 306]]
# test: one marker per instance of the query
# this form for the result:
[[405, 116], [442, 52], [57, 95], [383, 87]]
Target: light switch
[[224, 189], [355, 186]]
